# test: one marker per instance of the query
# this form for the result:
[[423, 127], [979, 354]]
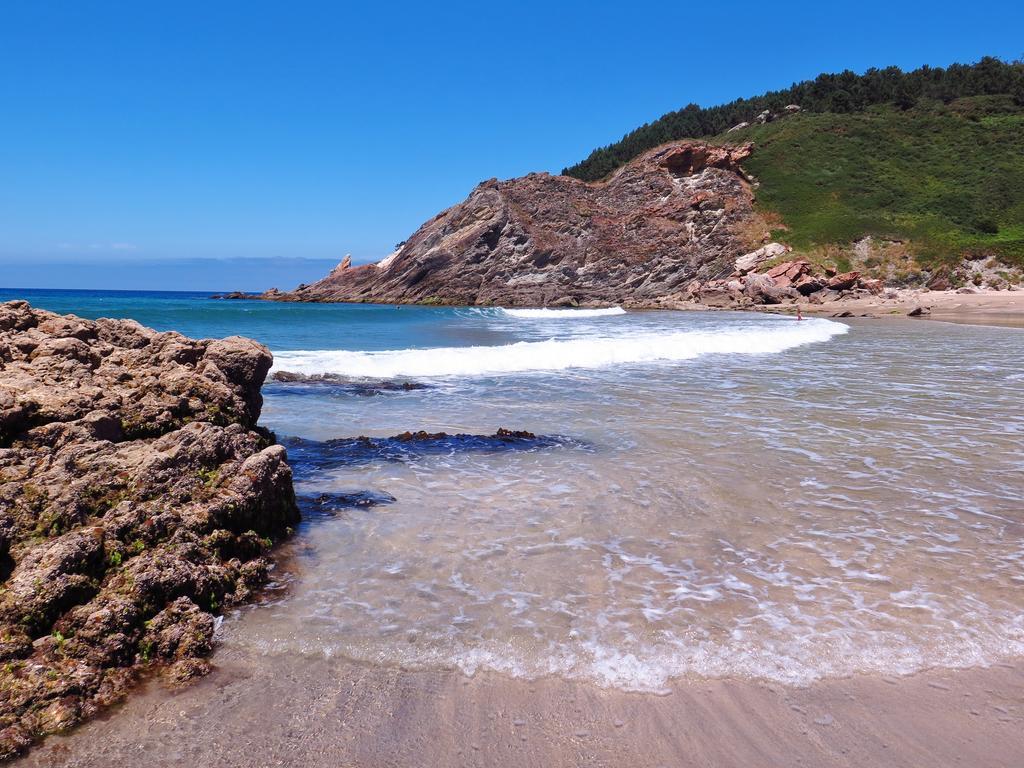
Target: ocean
[[709, 495]]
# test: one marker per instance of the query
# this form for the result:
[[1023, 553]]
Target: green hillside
[[932, 160], [947, 177]]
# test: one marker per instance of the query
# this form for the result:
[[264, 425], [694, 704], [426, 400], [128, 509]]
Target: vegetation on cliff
[[933, 159], [843, 93], [949, 178]]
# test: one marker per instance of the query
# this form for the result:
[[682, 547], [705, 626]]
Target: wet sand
[[999, 308], [315, 712], [1005, 308]]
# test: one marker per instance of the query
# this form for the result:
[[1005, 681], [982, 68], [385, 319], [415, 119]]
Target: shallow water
[[727, 495]]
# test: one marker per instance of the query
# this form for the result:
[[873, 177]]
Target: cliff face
[[137, 500], [671, 216]]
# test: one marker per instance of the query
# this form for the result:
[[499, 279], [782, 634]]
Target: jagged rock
[[673, 215], [805, 285], [872, 285], [919, 312], [751, 261], [843, 282], [789, 272], [716, 296], [761, 289], [135, 487], [738, 127], [940, 281], [235, 295]]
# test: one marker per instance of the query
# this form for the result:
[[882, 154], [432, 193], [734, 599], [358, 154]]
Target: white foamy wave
[[561, 314], [560, 354], [643, 668]]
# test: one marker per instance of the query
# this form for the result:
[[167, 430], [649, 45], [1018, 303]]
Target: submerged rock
[[331, 503], [502, 435], [310, 456], [137, 500], [346, 385]]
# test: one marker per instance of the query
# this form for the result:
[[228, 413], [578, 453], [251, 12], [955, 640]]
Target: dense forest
[[842, 93]]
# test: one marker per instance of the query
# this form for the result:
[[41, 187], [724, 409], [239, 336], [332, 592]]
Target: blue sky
[[197, 133]]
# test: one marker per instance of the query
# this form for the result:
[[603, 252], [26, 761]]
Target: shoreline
[[284, 710], [991, 308], [1000, 308], [260, 707], [986, 307]]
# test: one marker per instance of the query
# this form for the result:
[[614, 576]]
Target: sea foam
[[560, 354], [561, 314]]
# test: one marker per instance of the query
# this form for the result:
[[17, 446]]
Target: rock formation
[[785, 282], [137, 500], [677, 213]]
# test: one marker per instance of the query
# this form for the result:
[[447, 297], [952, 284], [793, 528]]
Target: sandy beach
[[1005, 308], [315, 712]]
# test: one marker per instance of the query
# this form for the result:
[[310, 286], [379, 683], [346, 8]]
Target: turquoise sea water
[[717, 494], [279, 326]]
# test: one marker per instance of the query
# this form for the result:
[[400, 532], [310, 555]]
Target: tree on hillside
[[904, 98], [841, 102], [1017, 91]]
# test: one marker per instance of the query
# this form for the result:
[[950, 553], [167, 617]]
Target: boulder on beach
[[138, 499]]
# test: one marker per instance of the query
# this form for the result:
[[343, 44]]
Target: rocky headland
[[677, 213], [675, 228], [138, 500]]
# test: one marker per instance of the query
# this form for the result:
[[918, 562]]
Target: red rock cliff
[[670, 216]]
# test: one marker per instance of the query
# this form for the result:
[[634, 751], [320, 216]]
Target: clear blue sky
[[137, 132]]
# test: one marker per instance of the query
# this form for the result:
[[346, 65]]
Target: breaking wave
[[561, 314], [560, 354]]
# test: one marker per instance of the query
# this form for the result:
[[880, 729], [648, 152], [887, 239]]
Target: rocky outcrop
[[976, 271], [767, 116], [751, 261], [786, 282], [236, 295], [677, 213], [138, 499]]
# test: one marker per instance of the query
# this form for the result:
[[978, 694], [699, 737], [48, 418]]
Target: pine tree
[[1017, 90]]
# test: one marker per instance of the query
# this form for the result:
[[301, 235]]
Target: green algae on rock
[[138, 499]]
